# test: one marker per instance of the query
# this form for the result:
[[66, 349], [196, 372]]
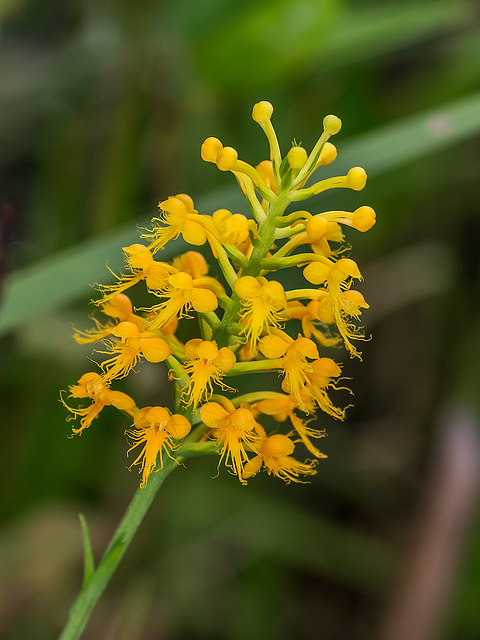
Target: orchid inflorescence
[[244, 322]]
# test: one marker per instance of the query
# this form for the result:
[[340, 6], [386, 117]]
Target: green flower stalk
[[247, 323]]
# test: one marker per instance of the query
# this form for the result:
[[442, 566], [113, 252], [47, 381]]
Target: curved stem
[[91, 592]]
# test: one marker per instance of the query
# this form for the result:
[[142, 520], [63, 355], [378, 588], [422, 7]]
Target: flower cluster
[[247, 322]]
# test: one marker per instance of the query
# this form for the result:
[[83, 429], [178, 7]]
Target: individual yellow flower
[[262, 113], [232, 228], [337, 278], [142, 266], [155, 432], [191, 262], [178, 217], [91, 385], [293, 357], [262, 302], [235, 431], [182, 294], [120, 308], [205, 365], [281, 406], [320, 378], [301, 365], [133, 345], [275, 455]]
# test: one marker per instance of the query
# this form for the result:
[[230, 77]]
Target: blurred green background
[[103, 107]]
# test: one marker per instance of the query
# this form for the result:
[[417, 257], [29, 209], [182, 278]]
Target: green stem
[[263, 243], [89, 595]]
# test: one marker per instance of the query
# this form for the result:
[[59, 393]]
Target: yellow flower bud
[[226, 158], [297, 156], [265, 169], [356, 178], [210, 149], [332, 124], [262, 111], [327, 154], [363, 218]]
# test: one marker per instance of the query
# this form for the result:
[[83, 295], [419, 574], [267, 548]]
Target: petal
[[120, 400], [273, 346], [204, 300], [191, 348], [187, 201], [252, 467], [154, 349], [194, 233], [212, 413], [181, 280], [316, 272], [207, 350], [303, 347], [247, 287], [139, 418], [176, 209], [158, 416], [225, 359], [119, 306], [193, 262], [346, 267], [126, 330], [210, 149], [178, 426]]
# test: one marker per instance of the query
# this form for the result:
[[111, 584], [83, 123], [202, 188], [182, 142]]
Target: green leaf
[[267, 42], [89, 563]]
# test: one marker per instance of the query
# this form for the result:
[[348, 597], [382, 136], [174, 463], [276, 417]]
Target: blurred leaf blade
[[89, 563], [244, 52], [414, 137]]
